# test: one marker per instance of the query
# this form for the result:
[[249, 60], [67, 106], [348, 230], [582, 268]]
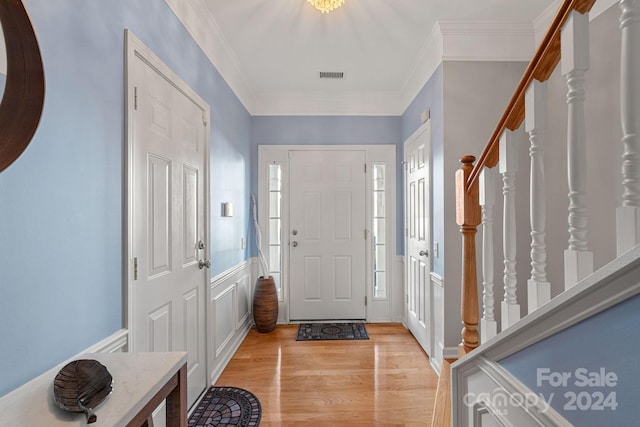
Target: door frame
[[376, 309], [424, 128], [134, 48]]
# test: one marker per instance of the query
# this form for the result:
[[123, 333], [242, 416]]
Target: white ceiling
[[277, 47]]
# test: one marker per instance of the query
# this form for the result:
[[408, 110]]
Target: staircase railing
[[565, 43]]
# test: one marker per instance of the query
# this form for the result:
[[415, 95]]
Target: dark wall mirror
[[23, 91], [3, 63]]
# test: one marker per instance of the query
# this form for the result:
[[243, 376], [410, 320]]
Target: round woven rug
[[227, 406]]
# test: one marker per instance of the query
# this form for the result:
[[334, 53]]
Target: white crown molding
[[541, 23], [448, 41], [427, 62], [304, 104], [487, 41], [468, 41], [201, 24]]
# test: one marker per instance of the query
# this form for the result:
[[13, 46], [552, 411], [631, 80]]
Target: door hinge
[[365, 168], [366, 234], [204, 118], [135, 97], [365, 301], [135, 268]]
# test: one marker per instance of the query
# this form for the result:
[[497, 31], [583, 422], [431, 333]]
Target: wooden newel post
[[468, 217]]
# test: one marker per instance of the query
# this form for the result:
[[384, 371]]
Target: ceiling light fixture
[[326, 6]]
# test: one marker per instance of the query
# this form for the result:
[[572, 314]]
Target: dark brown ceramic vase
[[265, 304]]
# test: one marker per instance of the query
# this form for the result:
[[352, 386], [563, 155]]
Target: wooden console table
[[141, 381]]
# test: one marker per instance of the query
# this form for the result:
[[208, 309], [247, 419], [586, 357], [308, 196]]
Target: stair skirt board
[[487, 394]]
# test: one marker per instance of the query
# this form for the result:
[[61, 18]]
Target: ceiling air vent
[[331, 75]]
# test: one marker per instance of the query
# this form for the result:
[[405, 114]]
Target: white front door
[[327, 235], [168, 167], [418, 280]]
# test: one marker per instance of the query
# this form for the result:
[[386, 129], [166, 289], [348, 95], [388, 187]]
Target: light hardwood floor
[[383, 381]]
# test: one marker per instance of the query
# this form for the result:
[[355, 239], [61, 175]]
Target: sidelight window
[[379, 235], [275, 225]]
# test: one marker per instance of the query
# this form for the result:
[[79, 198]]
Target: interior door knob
[[204, 263], [294, 244], [424, 253]]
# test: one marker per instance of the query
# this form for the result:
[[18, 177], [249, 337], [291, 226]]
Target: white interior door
[[418, 275], [168, 166], [327, 235]]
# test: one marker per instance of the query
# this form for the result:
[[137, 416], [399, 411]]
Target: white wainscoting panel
[[223, 318], [398, 293], [437, 289], [229, 315], [243, 292]]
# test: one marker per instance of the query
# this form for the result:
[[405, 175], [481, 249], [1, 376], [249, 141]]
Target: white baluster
[[488, 324], [628, 215], [508, 168], [578, 261], [538, 288]]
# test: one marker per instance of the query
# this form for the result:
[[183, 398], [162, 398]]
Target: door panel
[[168, 209], [327, 217], [418, 278]]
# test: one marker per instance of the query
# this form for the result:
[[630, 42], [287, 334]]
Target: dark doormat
[[331, 331], [227, 406]]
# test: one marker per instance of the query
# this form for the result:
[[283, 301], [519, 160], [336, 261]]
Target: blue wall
[[61, 202], [431, 97], [609, 341], [330, 130]]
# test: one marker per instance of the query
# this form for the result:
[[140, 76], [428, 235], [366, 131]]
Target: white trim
[[399, 300], [428, 60], [114, 343], [437, 284], [221, 285], [485, 384], [615, 282], [228, 274], [319, 104], [428, 342], [448, 40], [610, 285], [201, 24], [270, 154], [232, 346], [543, 21], [487, 41], [230, 289], [134, 48]]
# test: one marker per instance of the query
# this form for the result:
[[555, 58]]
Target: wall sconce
[[227, 209]]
